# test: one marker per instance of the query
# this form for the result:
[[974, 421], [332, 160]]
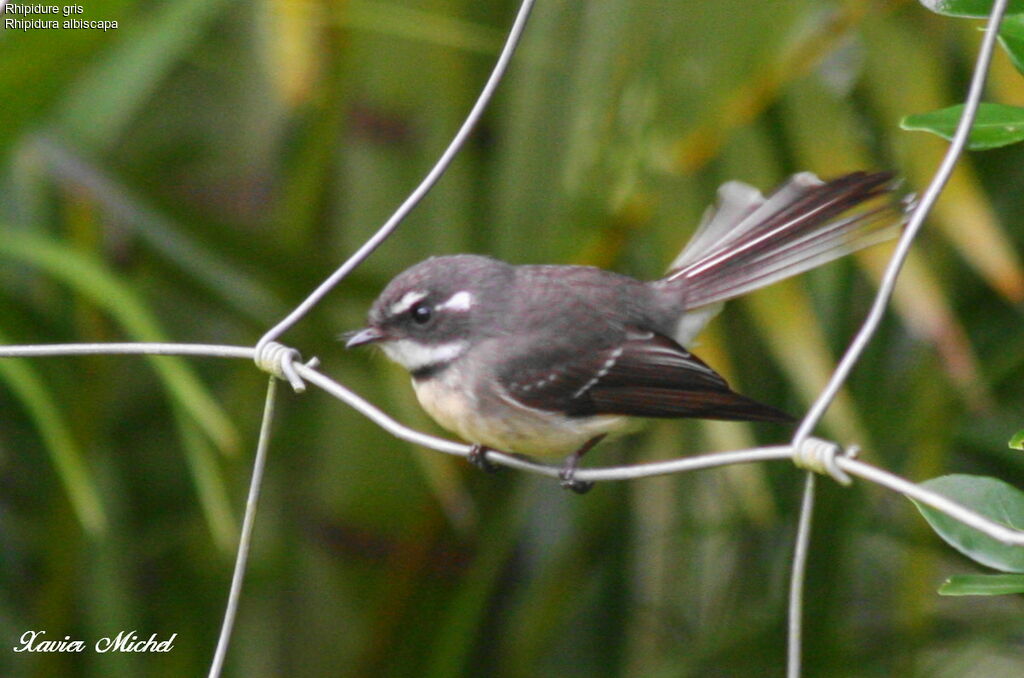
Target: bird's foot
[[567, 478], [478, 457]]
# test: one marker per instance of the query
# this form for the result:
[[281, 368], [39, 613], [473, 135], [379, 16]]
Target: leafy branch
[[995, 125]]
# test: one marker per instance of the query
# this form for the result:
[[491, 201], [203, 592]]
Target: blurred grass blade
[[1011, 37], [28, 387], [827, 133], [213, 496], [990, 497], [187, 394], [784, 317], [88, 278], [242, 293], [467, 610], [751, 488], [822, 125], [445, 479], [37, 66], [99, 104], [293, 45], [1017, 441], [753, 97], [924, 306], [432, 28], [967, 219], [963, 214], [978, 9], [982, 585], [748, 483], [996, 125]]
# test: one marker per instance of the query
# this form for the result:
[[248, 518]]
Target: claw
[[567, 476], [478, 457], [567, 479]]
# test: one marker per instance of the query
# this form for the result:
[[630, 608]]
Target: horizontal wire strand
[[289, 362]]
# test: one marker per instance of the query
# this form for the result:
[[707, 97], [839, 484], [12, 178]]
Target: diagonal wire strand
[[870, 326], [439, 168], [668, 467], [802, 436], [287, 363], [245, 538], [309, 374]]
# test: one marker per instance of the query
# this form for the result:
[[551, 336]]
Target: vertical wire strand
[[439, 168], [797, 579], [245, 538], [931, 194], [870, 326]]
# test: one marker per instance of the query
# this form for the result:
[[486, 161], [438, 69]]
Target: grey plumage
[[548, 358]]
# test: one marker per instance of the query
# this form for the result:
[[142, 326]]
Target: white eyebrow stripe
[[460, 301], [407, 301]]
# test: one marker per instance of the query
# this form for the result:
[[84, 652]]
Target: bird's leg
[[567, 476], [478, 457]]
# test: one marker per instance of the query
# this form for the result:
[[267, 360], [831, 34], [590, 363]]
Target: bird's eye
[[421, 313]]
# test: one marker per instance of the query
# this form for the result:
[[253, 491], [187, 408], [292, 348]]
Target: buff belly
[[507, 425]]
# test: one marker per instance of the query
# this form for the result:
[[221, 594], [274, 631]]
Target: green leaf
[[970, 8], [1017, 441], [990, 497], [1011, 37], [982, 585], [995, 125]]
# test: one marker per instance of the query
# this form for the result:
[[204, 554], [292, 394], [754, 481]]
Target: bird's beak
[[364, 336]]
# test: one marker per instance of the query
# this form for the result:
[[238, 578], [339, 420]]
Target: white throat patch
[[414, 355]]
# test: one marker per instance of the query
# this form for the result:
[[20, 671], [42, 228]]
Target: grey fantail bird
[[550, 359]]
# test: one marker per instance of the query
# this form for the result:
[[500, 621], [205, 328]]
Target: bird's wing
[[646, 374]]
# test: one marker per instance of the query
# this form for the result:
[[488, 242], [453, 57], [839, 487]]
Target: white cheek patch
[[413, 355], [460, 301], [406, 302]]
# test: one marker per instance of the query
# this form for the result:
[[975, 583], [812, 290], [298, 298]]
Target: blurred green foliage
[[193, 174]]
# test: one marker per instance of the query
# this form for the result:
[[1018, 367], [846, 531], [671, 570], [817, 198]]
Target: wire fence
[[812, 454]]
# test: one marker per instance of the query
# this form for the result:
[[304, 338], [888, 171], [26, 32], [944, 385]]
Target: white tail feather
[[747, 241]]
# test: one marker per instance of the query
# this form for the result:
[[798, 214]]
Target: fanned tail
[[747, 241]]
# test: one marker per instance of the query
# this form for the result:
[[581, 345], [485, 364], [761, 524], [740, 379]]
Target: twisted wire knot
[[279, 360], [819, 456]]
